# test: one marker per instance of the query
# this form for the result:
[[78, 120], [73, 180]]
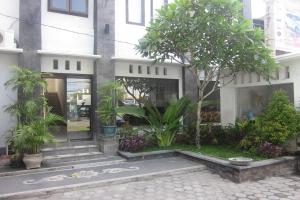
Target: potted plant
[[30, 138], [111, 94], [4, 160], [32, 114]]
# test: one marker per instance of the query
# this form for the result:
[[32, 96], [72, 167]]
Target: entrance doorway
[[70, 97]]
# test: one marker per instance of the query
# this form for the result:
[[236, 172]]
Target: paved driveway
[[198, 185]]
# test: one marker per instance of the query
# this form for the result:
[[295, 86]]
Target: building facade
[[82, 44]]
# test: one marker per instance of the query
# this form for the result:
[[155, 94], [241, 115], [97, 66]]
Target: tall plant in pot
[[111, 94], [33, 116], [30, 138]]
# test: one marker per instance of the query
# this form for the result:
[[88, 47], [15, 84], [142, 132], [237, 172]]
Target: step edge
[[72, 155], [49, 149]]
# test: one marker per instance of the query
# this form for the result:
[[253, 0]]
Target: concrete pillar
[[190, 90], [30, 35], [104, 67], [228, 105]]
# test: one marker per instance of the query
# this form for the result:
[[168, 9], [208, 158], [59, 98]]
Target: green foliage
[[220, 151], [30, 138], [209, 36], [166, 126], [280, 121], [206, 32], [31, 110], [111, 93], [30, 102]]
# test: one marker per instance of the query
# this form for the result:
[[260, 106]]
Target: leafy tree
[[211, 39], [140, 85]]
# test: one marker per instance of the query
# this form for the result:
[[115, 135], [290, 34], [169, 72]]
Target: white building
[[83, 44], [250, 93]]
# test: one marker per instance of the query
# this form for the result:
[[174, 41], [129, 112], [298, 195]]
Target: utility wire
[[59, 28]]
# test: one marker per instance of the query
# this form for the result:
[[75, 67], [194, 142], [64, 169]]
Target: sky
[[258, 8]]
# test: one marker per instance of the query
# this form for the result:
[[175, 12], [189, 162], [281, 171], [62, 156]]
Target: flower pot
[[4, 160], [32, 161], [109, 130]]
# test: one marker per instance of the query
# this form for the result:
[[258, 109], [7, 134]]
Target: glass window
[[79, 6], [140, 69], [62, 5], [72, 7], [135, 12]]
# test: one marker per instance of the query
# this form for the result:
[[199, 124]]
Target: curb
[[60, 168], [257, 170], [54, 190]]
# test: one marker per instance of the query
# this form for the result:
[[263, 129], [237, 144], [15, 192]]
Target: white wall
[[87, 65], [229, 92], [10, 8], [7, 96], [60, 40], [129, 32]]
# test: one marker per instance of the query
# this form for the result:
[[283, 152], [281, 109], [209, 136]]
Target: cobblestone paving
[[199, 185]]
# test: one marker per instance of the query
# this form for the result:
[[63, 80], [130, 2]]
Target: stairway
[[75, 153], [54, 103]]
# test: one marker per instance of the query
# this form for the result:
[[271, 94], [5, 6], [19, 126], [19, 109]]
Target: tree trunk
[[199, 120]]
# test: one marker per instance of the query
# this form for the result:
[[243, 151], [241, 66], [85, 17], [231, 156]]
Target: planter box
[[255, 171]]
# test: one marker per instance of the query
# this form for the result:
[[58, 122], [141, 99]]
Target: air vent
[[1, 38], [7, 38]]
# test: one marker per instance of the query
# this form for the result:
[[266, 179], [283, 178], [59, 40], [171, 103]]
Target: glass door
[[56, 98], [78, 105]]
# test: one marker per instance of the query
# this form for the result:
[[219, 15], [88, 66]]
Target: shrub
[[132, 143], [166, 126], [270, 150], [280, 121]]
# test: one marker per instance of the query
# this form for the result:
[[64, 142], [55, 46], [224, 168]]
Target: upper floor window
[[135, 12], [72, 7]]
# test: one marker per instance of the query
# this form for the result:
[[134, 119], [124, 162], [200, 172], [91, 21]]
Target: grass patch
[[219, 151]]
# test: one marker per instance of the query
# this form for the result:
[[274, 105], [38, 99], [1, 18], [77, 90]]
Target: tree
[[210, 38], [140, 85]]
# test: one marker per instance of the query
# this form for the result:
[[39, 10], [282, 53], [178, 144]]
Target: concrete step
[[100, 161], [70, 144], [104, 160], [55, 159], [53, 151]]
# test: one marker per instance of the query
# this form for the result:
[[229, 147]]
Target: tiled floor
[[192, 186]]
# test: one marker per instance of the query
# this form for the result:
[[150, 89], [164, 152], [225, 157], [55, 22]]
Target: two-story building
[[82, 44]]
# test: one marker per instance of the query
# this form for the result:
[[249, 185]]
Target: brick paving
[[198, 185]]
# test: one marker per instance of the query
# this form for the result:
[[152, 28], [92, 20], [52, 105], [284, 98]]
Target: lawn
[[219, 151]]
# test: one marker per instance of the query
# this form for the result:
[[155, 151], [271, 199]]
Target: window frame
[[68, 11], [142, 23]]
